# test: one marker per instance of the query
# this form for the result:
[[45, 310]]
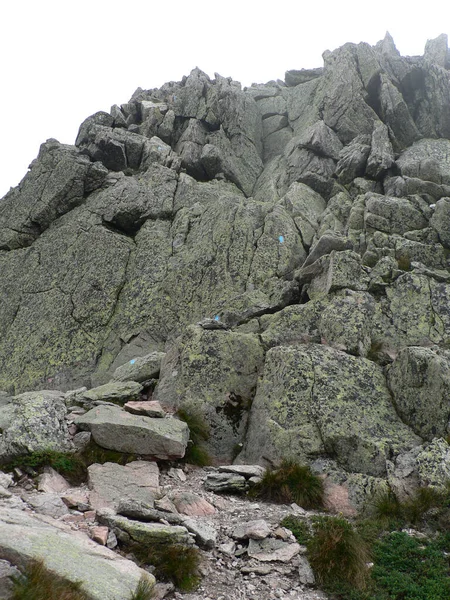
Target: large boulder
[[36, 423], [116, 429], [314, 400], [102, 572], [419, 380], [213, 372]]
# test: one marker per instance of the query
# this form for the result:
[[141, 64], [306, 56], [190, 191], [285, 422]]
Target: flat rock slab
[[149, 408], [192, 505], [144, 533], [225, 482], [271, 549], [252, 530], [46, 504], [205, 533], [115, 429], [114, 391], [111, 483], [104, 575], [244, 470]]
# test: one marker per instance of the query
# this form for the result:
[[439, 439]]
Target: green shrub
[[291, 482], [199, 432], [337, 554], [173, 562], [37, 583], [144, 590], [298, 527], [68, 465], [410, 569]]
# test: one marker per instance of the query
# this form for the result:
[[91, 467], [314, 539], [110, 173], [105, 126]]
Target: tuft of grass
[[199, 433], [298, 527], [338, 555], [386, 506], [37, 583], [177, 563], [144, 590], [291, 482]]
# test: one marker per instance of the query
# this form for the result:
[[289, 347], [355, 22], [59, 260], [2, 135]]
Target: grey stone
[[205, 532], [305, 572], [51, 481], [270, 550], [47, 504], [6, 480], [144, 533], [103, 573], [119, 392], [111, 483], [116, 429], [38, 424], [303, 423], [433, 463], [140, 368], [225, 482], [247, 471], [420, 382], [252, 530]]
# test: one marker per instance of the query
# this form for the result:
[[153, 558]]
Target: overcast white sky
[[63, 60]]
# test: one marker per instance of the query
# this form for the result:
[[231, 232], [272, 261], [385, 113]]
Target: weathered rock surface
[[276, 255], [111, 484], [313, 400], [36, 423], [116, 429], [103, 573]]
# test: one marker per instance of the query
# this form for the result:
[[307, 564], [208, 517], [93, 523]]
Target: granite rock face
[[277, 255]]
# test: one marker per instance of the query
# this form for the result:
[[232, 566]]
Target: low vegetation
[[68, 465], [299, 528], [291, 482], [338, 554], [398, 566], [37, 583], [177, 563], [199, 433], [144, 590]]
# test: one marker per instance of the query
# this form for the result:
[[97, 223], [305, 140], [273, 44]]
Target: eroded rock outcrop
[[277, 255]]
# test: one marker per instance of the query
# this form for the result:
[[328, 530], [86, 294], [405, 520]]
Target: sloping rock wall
[[285, 244]]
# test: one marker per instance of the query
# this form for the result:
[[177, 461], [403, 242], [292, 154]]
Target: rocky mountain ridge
[[274, 258]]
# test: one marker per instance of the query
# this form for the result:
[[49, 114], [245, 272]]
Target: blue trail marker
[[217, 318], [281, 238], [132, 361]]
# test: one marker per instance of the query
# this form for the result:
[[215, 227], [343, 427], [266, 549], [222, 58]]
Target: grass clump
[[386, 507], [177, 563], [37, 583], [299, 528], [144, 590], [338, 555], [291, 482], [199, 433]]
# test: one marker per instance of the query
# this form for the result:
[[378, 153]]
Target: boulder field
[[274, 258]]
